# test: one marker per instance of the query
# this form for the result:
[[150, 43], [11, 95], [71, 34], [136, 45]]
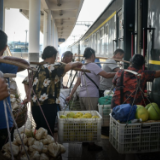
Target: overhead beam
[[66, 14], [59, 3], [17, 4], [67, 5], [25, 13]]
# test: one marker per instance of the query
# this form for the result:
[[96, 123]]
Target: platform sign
[[61, 40]]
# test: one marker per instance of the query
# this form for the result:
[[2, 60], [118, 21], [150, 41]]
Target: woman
[[130, 82], [46, 88], [89, 93]]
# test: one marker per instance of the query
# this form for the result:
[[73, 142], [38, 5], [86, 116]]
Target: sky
[[16, 23]]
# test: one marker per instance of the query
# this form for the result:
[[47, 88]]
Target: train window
[[98, 42], [94, 41], [106, 41], [102, 41]]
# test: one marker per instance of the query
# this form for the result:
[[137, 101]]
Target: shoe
[[94, 147], [85, 143]]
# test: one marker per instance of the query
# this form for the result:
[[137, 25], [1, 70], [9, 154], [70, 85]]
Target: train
[[132, 25]]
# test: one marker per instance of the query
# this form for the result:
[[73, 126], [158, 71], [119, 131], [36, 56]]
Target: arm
[[116, 69], [20, 60], [107, 74], [74, 89], [3, 89], [70, 66], [157, 74]]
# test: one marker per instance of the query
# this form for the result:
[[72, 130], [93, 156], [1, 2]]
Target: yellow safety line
[[102, 24], [154, 62]]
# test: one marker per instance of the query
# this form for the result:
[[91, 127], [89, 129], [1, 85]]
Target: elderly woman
[[89, 92], [46, 88], [130, 82]]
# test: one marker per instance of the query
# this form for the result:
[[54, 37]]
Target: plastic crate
[[79, 130], [104, 111], [134, 138]]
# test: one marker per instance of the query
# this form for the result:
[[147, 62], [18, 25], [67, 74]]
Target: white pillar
[[55, 37], [1, 14], [47, 28], [52, 32], [34, 29]]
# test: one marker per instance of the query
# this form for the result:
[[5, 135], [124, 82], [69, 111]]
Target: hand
[[68, 98], [4, 92], [25, 101]]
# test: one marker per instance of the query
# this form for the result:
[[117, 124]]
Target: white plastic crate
[[104, 111], [79, 130], [134, 138]]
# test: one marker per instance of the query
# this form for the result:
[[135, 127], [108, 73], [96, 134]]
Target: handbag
[[93, 83]]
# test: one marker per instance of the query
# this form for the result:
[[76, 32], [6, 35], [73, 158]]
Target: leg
[[4, 136], [50, 112], [36, 113], [82, 103]]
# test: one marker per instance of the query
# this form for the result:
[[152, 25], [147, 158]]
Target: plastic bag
[[105, 100], [124, 112]]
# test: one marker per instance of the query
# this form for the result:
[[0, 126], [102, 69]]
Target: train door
[[153, 46], [119, 30]]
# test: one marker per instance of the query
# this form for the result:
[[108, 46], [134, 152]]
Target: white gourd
[[38, 146], [43, 156], [30, 141], [45, 149], [54, 149], [40, 133], [24, 138]]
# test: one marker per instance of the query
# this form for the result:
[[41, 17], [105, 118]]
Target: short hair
[[88, 52], [3, 40], [67, 53], [121, 51], [137, 61], [48, 52]]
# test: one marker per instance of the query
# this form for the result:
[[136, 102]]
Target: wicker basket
[[20, 116]]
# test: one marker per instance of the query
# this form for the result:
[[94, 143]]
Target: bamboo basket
[[20, 115]]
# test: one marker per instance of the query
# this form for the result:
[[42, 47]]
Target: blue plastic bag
[[124, 112]]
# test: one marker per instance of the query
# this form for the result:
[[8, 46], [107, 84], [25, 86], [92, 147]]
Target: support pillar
[[47, 28], [55, 37], [1, 14], [52, 32], [34, 29]]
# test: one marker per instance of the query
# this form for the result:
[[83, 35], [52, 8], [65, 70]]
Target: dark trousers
[[4, 136], [50, 112]]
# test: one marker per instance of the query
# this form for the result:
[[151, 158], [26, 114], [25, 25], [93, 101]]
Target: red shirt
[[130, 85]]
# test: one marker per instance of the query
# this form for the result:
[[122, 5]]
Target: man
[[106, 84], [6, 68], [67, 58]]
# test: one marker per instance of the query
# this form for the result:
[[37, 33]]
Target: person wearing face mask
[[89, 92], [106, 84]]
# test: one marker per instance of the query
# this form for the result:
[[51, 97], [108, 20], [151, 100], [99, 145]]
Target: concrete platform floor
[[75, 151]]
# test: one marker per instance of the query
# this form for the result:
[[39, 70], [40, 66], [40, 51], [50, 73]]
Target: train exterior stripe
[[102, 24], [154, 62]]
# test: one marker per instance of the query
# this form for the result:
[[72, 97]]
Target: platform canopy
[[63, 12]]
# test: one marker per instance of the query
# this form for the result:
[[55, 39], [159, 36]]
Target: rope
[[17, 128], [9, 134]]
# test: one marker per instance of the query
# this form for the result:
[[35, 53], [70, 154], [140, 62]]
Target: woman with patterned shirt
[[46, 88], [130, 82]]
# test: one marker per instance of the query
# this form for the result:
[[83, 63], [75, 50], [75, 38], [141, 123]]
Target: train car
[[132, 25]]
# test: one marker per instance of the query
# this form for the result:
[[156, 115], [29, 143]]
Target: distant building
[[21, 47]]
